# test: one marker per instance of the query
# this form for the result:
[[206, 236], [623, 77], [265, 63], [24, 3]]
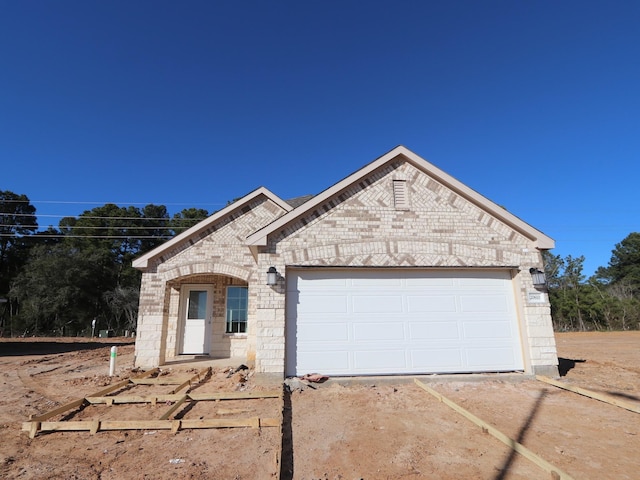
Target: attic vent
[[400, 195]]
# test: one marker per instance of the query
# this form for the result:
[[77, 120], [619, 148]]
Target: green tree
[[624, 265], [187, 218], [123, 306], [606, 301], [154, 224], [567, 292], [17, 225], [57, 290], [120, 234]]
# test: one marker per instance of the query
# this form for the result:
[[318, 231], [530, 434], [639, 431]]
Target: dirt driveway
[[377, 429]]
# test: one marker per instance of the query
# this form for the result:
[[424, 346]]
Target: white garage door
[[363, 322]]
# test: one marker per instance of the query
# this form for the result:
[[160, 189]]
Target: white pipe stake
[[112, 363]]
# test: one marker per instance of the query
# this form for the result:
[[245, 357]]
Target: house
[[397, 269]]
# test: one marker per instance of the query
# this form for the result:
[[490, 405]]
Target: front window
[[237, 306]]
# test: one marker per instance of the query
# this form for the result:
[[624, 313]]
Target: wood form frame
[[41, 423]]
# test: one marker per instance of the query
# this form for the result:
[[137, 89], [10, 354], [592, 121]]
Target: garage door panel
[[431, 303], [378, 321], [323, 332], [434, 331], [487, 330], [323, 304], [376, 304], [381, 282], [437, 359], [367, 331], [482, 279], [484, 303], [416, 280], [380, 361], [491, 358], [318, 281], [337, 361]]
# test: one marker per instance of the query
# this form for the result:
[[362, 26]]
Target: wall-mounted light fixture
[[272, 276], [539, 278]]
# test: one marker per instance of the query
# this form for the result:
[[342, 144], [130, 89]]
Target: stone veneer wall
[[361, 227]]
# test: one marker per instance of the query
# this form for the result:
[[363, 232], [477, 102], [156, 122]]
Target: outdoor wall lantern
[[539, 278], [272, 276]]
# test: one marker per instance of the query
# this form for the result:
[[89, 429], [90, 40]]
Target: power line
[[65, 202], [78, 217], [119, 227], [112, 237], [101, 227]]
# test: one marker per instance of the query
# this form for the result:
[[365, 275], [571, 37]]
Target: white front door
[[196, 313]]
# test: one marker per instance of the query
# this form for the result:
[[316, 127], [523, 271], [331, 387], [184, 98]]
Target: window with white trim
[[237, 307]]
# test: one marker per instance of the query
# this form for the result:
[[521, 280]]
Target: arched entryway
[[208, 315]]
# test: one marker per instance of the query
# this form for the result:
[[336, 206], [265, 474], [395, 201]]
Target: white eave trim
[[541, 241], [142, 262]]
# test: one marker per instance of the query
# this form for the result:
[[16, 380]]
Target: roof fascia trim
[[142, 262]]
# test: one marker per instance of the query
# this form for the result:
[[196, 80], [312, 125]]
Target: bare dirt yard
[[372, 428]]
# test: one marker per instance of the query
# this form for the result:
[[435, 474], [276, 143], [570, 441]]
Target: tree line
[[608, 300], [56, 281]]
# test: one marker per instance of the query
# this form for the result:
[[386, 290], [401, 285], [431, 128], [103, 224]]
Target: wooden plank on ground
[[121, 399], [174, 425], [57, 411], [278, 452], [554, 471], [588, 393], [159, 381], [233, 395], [118, 399], [204, 373], [173, 408], [231, 422]]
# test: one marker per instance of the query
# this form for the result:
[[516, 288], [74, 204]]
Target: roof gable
[[194, 232], [541, 241]]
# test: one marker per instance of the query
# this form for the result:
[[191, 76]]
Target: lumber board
[[57, 411], [121, 399], [174, 425], [231, 423], [234, 395], [158, 381], [554, 471], [32, 428], [205, 372], [278, 452], [148, 373], [591, 394], [173, 408], [118, 399]]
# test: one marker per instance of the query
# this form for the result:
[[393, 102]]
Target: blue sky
[[534, 104]]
